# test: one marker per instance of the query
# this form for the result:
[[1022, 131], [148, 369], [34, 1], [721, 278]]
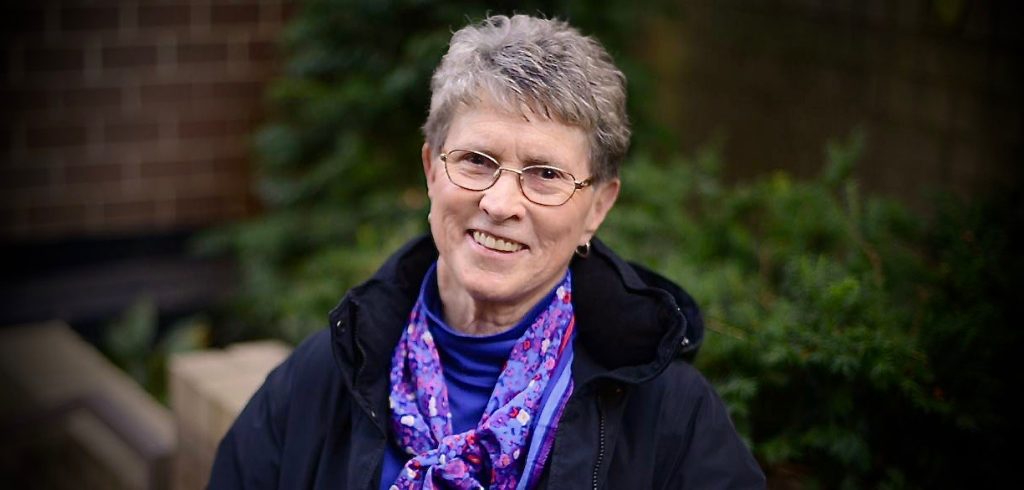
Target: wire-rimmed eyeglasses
[[541, 184]]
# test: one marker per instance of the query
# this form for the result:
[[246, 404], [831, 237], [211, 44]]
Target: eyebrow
[[529, 160]]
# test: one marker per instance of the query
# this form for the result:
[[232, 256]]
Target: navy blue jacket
[[640, 415]]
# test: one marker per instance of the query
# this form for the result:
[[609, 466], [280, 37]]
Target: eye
[[547, 173], [477, 159]]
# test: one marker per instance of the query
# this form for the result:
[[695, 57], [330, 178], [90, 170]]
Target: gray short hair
[[541, 64]]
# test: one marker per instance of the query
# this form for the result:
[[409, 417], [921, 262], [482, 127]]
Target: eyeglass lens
[[539, 183]]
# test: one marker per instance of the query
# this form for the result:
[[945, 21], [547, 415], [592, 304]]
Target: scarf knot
[[509, 446]]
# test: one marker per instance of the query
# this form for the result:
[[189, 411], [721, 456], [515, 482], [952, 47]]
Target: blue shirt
[[471, 366]]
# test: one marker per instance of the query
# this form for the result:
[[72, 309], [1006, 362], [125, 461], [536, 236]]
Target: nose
[[503, 200]]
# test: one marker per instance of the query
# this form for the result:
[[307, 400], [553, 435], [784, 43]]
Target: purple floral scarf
[[527, 401]]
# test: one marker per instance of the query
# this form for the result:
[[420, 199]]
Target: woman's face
[[539, 240]]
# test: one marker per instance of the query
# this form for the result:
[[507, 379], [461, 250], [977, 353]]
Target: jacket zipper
[[600, 443]]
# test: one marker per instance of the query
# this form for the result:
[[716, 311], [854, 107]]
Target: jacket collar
[[631, 322]]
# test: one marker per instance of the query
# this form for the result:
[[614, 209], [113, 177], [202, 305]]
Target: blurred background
[[837, 183]]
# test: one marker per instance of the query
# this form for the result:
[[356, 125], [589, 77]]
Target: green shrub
[[856, 344]]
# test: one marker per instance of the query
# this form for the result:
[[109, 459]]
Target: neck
[[480, 316]]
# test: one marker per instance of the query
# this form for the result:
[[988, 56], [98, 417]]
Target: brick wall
[[935, 85], [130, 116]]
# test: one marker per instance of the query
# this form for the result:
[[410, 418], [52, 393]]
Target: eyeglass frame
[[577, 184]]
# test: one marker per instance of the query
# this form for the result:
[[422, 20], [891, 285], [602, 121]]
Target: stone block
[[208, 390]]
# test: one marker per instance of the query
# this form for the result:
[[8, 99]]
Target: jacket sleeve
[[249, 455], [713, 455]]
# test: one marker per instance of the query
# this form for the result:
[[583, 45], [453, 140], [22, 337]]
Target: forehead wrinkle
[[482, 144], [513, 150]]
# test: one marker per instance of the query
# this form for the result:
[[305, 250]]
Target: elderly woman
[[509, 349]]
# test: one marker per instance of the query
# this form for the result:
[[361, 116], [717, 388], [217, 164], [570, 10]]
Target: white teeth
[[496, 243]]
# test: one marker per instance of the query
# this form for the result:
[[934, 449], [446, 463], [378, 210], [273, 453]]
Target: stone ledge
[[208, 389], [57, 387]]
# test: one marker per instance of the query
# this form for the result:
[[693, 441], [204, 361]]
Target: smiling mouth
[[494, 243]]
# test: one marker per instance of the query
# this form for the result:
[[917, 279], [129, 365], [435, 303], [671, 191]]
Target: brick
[[128, 56], [211, 128], [6, 139], [54, 59], [164, 93], [92, 97], [56, 214], [289, 9], [92, 173], [24, 177], [229, 165], [164, 15], [220, 182], [248, 90], [262, 51], [22, 19], [56, 136], [131, 211], [152, 169], [204, 209], [89, 18], [181, 167], [248, 13], [202, 52], [21, 100], [177, 93], [131, 132]]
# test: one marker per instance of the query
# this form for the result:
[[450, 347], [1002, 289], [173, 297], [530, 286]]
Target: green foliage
[[854, 342], [806, 336], [839, 326], [132, 342]]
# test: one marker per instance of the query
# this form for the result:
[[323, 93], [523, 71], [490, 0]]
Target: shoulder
[[294, 390], [278, 424], [314, 356], [310, 365], [696, 438], [681, 394]]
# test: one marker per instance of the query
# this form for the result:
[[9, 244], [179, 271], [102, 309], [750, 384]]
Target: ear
[[426, 154], [605, 194]]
